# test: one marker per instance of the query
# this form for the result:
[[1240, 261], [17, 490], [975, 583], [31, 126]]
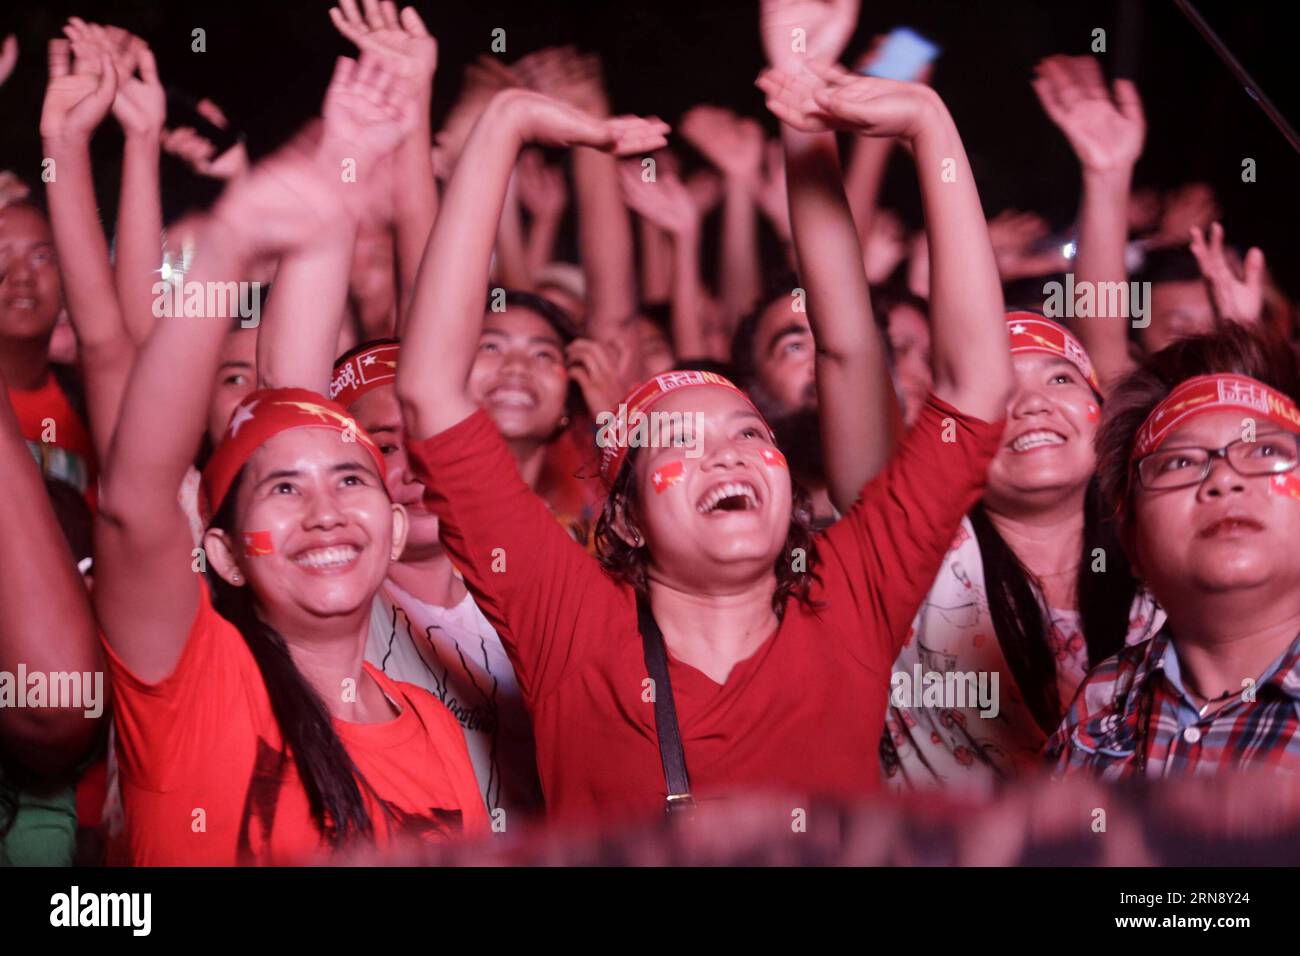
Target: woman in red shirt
[[778, 646], [249, 729]]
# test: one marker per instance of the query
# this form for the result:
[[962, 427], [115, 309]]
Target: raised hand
[[382, 31], [795, 31], [8, 57], [594, 366], [365, 112], [665, 202], [550, 122], [1013, 235], [198, 152], [484, 78], [1238, 296], [79, 93], [542, 188], [140, 105], [1105, 133], [771, 194], [732, 144], [827, 97]]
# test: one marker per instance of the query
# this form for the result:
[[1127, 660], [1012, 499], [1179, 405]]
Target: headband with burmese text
[[260, 417], [1214, 393], [1030, 332], [362, 372], [648, 394]]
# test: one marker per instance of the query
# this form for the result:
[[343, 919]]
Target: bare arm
[[75, 103], [1107, 137], [46, 623], [450, 296]]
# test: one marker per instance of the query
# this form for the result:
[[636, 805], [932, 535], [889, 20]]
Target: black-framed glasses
[[1187, 465]]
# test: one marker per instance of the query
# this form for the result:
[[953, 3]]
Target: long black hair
[[1105, 598], [333, 783]]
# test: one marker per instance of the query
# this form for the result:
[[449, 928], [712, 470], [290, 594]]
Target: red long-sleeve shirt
[[801, 717]]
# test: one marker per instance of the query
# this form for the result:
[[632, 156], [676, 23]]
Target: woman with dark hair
[[767, 651], [1015, 603], [1198, 457], [249, 730]]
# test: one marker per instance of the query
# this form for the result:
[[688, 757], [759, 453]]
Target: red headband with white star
[[1030, 332], [363, 372], [260, 417]]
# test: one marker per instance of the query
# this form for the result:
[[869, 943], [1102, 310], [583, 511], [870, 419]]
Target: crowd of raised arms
[[444, 536]]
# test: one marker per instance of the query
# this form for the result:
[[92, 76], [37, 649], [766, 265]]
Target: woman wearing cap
[[249, 729], [778, 645], [1199, 455], [1019, 604]]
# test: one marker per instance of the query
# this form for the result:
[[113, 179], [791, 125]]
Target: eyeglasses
[[1186, 466]]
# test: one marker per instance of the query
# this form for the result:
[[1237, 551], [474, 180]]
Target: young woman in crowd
[[773, 639], [1198, 455], [249, 729], [1034, 588]]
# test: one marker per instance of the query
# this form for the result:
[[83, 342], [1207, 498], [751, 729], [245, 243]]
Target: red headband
[[1032, 333], [363, 372], [648, 394], [260, 417], [1213, 393]]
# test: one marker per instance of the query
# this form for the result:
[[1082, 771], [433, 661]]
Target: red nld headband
[[648, 394], [1214, 393], [260, 417], [1033, 333], [363, 372]]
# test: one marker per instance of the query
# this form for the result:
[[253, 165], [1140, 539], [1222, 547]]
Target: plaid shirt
[[1132, 717]]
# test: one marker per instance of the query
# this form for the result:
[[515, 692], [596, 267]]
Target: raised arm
[[78, 96], [1107, 137], [450, 296], [605, 245], [544, 195], [666, 205], [404, 40], [143, 544], [859, 414], [46, 624], [735, 147], [972, 363]]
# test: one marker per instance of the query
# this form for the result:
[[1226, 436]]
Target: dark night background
[[267, 65]]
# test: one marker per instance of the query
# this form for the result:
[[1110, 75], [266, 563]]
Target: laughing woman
[[249, 730], [714, 621], [1199, 454]]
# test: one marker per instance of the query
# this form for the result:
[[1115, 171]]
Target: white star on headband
[[368, 360], [1018, 329], [242, 414]]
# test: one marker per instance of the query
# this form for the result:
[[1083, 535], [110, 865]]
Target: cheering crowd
[[381, 525]]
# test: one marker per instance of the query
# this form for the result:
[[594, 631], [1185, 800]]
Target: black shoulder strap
[[670, 738]]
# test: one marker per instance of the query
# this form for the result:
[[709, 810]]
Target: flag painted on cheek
[[1286, 484], [1094, 412], [665, 477], [257, 544], [773, 458]]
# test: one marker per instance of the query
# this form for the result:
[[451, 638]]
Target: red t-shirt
[[205, 739], [69, 454], [802, 716]]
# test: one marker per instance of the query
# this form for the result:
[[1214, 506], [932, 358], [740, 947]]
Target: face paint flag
[[257, 544], [1286, 484], [667, 476], [773, 458]]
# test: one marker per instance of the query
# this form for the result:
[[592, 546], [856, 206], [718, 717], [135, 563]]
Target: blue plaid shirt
[[1133, 717]]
